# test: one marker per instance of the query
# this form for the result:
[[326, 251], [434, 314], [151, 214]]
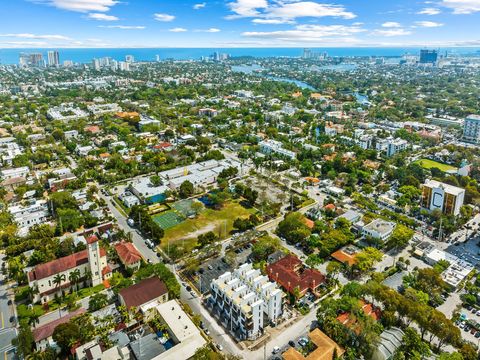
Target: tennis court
[[184, 207], [168, 220]]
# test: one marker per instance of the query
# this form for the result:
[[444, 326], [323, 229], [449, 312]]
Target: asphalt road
[[8, 332]]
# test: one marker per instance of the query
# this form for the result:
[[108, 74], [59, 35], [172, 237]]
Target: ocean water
[[10, 56]]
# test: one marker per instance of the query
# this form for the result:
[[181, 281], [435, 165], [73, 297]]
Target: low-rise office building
[[379, 229]]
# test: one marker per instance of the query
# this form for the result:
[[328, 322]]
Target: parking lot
[[298, 343], [469, 333], [468, 251], [212, 269]]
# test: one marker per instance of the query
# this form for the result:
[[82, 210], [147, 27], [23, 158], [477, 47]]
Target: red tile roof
[[107, 269], [92, 129], [290, 273], [343, 257], [329, 207], [45, 331], [60, 265], [128, 253], [163, 145], [351, 322], [143, 292], [92, 239], [310, 224]]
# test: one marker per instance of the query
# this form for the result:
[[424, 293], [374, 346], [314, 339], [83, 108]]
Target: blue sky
[[239, 23]]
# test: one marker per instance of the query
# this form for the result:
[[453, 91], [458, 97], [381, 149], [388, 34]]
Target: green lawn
[[218, 221], [428, 164]]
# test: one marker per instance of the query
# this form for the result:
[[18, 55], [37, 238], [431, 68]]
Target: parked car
[[219, 347], [291, 343], [276, 350], [303, 341]]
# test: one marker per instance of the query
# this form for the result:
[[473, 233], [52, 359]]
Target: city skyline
[[239, 23]]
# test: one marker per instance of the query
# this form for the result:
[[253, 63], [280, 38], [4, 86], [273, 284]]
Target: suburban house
[[90, 262], [147, 291], [128, 255], [42, 335], [292, 275]]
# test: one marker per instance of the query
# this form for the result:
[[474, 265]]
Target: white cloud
[[307, 9], [80, 5], [211, 30], [178, 30], [163, 17], [428, 24], [391, 24], [462, 6], [246, 8], [24, 43], [199, 6], [429, 11], [34, 36], [123, 27], [272, 21], [392, 32], [102, 17], [285, 11], [309, 33]]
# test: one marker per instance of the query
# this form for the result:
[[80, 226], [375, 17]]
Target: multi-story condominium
[[391, 146], [395, 146], [91, 264], [53, 58], [244, 299], [445, 197], [273, 146], [471, 129]]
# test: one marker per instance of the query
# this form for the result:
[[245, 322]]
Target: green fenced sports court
[[168, 219]]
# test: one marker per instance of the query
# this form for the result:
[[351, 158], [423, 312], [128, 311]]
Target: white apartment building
[[365, 141], [15, 172], [395, 146], [391, 146], [102, 109], [471, 129], [66, 112], [379, 229], [35, 213], [273, 146], [242, 300]]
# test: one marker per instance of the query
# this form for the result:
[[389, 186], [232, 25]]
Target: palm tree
[[33, 319], [74, 278], [87, 275], [32, 291], [58, 279]]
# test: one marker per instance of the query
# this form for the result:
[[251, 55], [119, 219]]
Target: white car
[[276, 350]]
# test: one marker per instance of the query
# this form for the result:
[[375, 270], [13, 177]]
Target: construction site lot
[[267, 189]]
